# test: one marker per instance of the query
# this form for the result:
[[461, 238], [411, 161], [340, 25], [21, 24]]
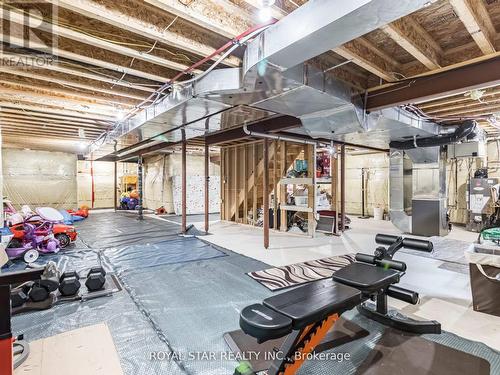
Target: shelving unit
[[309, 154]]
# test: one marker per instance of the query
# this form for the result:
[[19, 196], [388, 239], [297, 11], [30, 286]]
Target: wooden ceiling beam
[[43, 116], [64, 82], [65, 103], [70, 93], [409, 35], [30, 119], [98, 11], [25, 61], [359, 51], [484, 110], [206, 14], [475, 18], [458, 99], [21, 18], [13, 40], [49, 128], [34, 106], [32, 130]]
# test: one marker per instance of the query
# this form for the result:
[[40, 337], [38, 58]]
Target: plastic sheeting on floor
[[185, 308], [110, 229]]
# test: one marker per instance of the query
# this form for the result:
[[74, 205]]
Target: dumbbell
[[19, 296], [69, 283], [96, 278], [38, 292]]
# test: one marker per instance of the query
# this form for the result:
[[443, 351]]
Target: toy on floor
[[63, 231], [37, 238], [80, 214]]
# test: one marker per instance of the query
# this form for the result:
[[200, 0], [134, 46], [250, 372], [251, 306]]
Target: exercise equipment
[[38, 292], [306, 314], [69, 283], [20, 296], [96, 278]]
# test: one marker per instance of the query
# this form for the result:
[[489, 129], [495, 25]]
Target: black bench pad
[[263, 323], [314, 301], [366, 277]]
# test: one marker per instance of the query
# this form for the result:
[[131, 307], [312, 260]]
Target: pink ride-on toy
[[38, 238]]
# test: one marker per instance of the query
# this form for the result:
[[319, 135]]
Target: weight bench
[[307, 313]]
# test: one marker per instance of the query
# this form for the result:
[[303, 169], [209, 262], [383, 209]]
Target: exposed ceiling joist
[[50, 100], [360, 52], [30, 119], [68, 83], [33, 106], [95, 10], [408, 34], [34, 130], [83, 58], [476, 19], [206, 14], [21, 18], [39, 128], [71, 93], [459, 99], [43, 116], [449, 81]]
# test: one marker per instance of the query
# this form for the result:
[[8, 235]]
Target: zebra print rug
[[300, 273]]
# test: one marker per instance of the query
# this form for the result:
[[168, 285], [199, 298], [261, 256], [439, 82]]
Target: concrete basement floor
[[445, 295]]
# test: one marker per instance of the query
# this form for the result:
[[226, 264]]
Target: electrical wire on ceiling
[[225, 50], [92, 33]]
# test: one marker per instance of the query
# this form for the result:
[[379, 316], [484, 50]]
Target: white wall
[[103, 173], [39, 178], [161, 186]]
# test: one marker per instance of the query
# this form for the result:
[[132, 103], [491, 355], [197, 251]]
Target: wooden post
[[266, 193], [184, 184], [275, 185], [342, 188], [254, 187], [236, 177], [310, 155], [115, 184], [283, 188], [245, 184], [207, 184]]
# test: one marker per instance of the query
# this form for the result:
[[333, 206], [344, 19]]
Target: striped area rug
[[287, 276]]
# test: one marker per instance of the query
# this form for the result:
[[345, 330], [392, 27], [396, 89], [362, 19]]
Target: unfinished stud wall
[[102, 174], [39, 178], [162, 183], [242, 171]]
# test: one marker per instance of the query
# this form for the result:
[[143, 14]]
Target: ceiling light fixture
[[265, 10]]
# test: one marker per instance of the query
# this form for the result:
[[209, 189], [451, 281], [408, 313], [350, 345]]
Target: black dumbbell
[[38, 292], [19, 296], [69, 283], [96, 278]]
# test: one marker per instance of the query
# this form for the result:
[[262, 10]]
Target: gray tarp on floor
[[187, 307]]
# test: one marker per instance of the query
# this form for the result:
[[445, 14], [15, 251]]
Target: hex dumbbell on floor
[[69, 283], [96, 278], [19, 296], [38, 292]]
